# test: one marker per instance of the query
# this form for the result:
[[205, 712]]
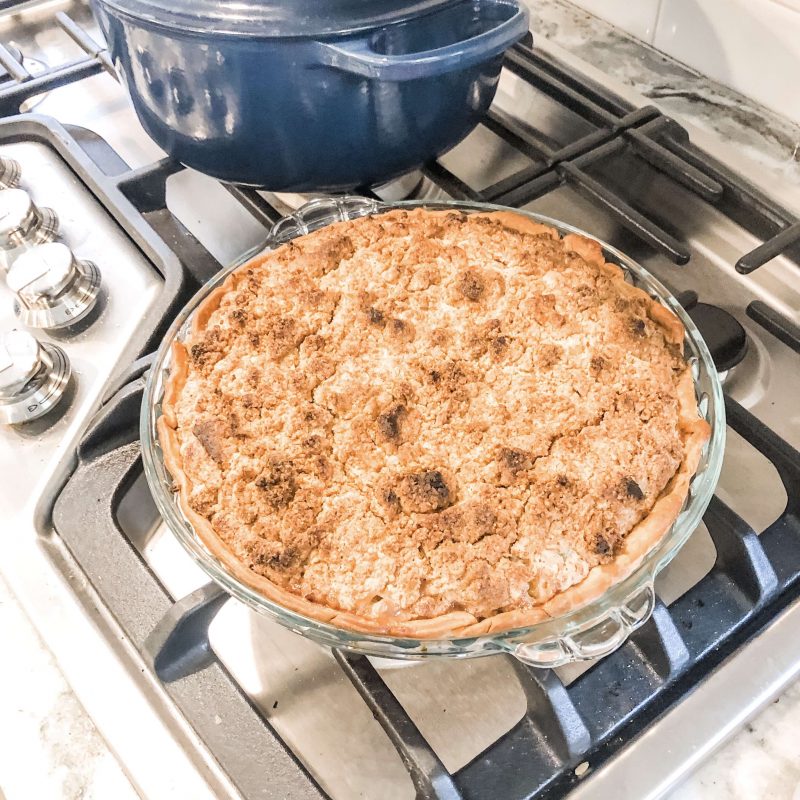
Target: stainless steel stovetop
[[459, 707]]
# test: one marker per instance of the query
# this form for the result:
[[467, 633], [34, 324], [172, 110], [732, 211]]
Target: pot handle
[[358, 57]]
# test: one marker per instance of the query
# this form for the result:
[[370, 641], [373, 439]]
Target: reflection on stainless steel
[[310, 702]]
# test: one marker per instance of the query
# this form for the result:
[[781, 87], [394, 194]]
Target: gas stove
[[102, 240]]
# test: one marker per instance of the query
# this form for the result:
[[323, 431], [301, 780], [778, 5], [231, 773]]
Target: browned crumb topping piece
[[411, 414]]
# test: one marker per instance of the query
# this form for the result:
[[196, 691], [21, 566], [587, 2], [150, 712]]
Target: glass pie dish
[[592, 630]]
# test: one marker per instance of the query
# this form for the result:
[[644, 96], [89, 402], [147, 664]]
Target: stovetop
[[202, 698]]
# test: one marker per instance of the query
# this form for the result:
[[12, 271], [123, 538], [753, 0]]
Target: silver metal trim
[[673, 746]]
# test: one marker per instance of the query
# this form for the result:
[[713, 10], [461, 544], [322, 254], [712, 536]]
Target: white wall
[[752, 46]]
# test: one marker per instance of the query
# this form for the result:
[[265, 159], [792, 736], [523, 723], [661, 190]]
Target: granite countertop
[[49, 748], [55, 750], [757, 132]]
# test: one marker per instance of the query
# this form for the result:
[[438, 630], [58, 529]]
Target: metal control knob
[[10, 173], [33, 377], [53, 289], [22, 224]]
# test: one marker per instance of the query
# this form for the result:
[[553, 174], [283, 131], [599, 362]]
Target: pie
[[431, 423]]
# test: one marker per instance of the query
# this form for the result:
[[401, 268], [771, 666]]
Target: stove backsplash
[[748, 45]]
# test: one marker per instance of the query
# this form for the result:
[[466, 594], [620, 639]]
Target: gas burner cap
[[22, 223], [10, 173], [723, 333], [53, 289], [33, 377]]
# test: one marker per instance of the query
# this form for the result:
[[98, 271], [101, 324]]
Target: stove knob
[[53, 288], [33, 377], [22, 223], [10, 172]]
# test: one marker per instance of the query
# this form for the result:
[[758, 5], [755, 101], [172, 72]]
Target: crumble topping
[[416, 413]]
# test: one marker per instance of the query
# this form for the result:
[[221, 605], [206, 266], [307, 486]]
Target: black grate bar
[[604, 151], [783, 456], [178, 646], [660, 643], [772, 248], [15, 94], [626, 214], [540, 185], [552, 711], [526, 177], [524, 63], [255, 204], [687, 298], [85, 42], [12, 66], [367, 191], [134, 370], [519, 138], [671, 165], [581, 147], [596, 145], [196, 260], [431, 780], [526, 141], [778, 325], [739, 553], [586, 87], [755, 202], [615, 690], [522, 138], [146, 187], [451, 184]]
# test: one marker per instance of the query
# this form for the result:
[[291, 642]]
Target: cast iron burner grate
[[592, 719]]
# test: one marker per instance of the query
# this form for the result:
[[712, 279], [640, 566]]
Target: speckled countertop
[[49, 747], [759, 133]]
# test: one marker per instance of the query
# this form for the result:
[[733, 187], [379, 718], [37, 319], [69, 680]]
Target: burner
[[723, 333]]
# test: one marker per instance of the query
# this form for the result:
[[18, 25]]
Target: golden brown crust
[[283, 528]]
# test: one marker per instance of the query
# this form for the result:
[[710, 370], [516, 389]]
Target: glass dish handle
[[599, 639], [318, 213]]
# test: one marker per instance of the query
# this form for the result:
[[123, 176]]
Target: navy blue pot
[[312, 110]]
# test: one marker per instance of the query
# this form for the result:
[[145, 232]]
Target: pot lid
[[272, 18]]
